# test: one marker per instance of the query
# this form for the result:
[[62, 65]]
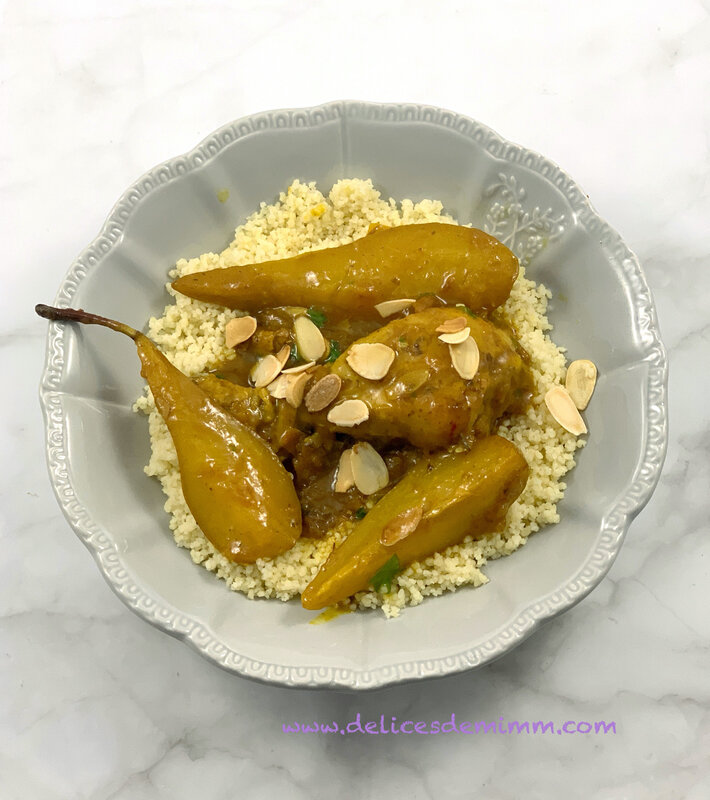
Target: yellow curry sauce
[[421, 406]]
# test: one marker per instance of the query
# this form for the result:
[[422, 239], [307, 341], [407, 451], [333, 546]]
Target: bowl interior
[[107, 444]]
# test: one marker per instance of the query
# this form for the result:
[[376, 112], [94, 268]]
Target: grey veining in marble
[[96, 704]]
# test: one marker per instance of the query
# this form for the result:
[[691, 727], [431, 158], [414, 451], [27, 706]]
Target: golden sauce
[[310, 447], [275, 329], [329, 614]]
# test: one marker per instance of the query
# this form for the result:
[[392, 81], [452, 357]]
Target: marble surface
[[94, 703]]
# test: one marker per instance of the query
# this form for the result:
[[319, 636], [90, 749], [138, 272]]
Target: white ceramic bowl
[[601, 309]]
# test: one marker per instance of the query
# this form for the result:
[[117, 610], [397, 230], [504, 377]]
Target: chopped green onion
[[334, 352], [466, 309], [384, 576], [361, 513], [317, 316]]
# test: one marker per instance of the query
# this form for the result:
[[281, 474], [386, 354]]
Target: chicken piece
[[273, 420], [422, 398], [254, 408]]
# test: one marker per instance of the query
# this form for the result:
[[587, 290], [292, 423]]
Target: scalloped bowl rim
[[196, 634]]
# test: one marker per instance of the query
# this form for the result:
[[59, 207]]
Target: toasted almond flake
[[563, 409], [457, 337], [401, 526], [344, 479], [322, 393], [453, 325], [265, 371], [295, 388], [239, 330], [389, 307], [277, 388], [310, 341], [349, 413], [299, 368], [580, 382], [370, 360], [465, 358], [369, 470], [283, 355]]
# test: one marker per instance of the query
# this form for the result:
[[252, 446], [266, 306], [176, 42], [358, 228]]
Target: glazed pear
[[238, 491], [441, 500], [459, 264]]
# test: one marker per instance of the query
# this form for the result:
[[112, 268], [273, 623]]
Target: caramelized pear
[[241, 496], [441, 500], [459, 264]]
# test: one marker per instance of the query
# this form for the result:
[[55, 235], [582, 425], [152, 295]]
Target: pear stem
[[79, 315]]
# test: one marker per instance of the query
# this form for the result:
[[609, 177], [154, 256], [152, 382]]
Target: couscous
[[192, 334]]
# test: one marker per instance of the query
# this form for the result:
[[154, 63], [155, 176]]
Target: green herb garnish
[[466, 309], [317, 316], [361, 513], [382, 579], [220, 376], [334, 352]]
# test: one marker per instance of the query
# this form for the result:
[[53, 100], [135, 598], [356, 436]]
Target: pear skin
[[459, 264], [440, 501], [238, 491]]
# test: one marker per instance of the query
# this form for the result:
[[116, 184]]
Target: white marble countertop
[[94, 703]]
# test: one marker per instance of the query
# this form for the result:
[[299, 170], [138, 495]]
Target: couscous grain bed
[[192, 336]]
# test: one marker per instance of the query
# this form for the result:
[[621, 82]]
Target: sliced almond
[[465, 358], [265, 371], [580, 381], [299, 368], [389, 307], [457, 337], [453, 325], [283, 355], [349, 413], [370, 360], [369, 470], [295, 311], [344, 479], [309, 340], [563, 409], [295, 387], [401, 526], [239, 330], [277, 388], [323, 392]]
